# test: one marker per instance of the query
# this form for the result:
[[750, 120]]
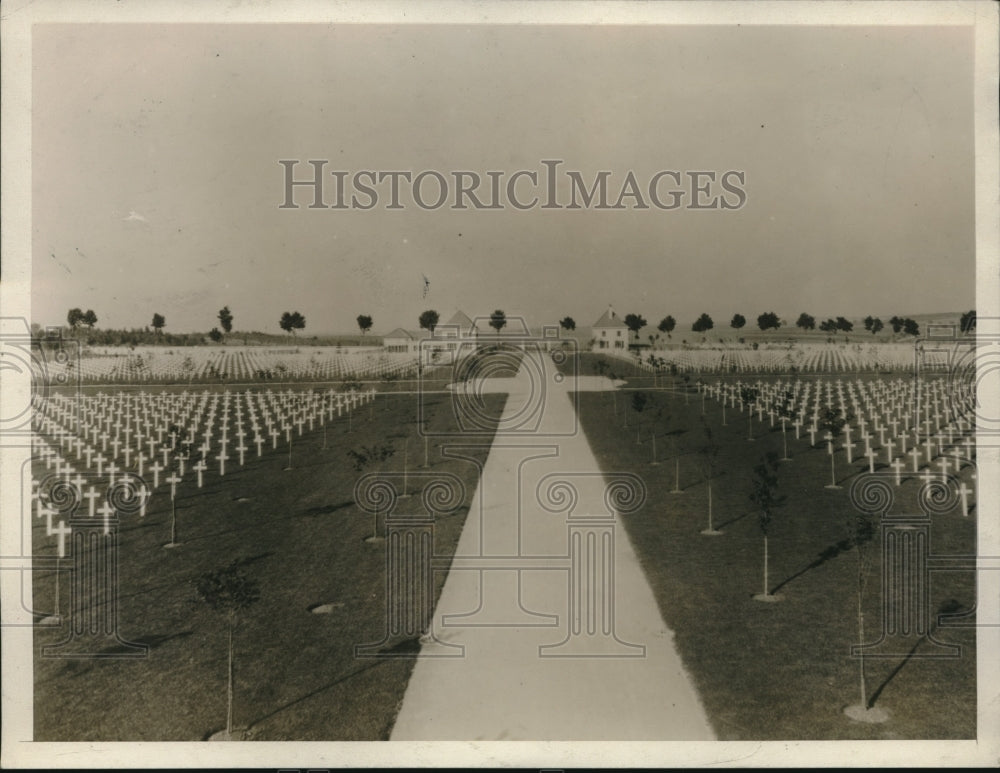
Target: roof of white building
[[610, 319], [461, 320], [409, 335]]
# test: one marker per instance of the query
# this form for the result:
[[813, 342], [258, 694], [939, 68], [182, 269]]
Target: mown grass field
[[302, 537], [778, 671]]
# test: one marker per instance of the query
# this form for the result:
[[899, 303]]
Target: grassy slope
[[296, 675], [778, 671]]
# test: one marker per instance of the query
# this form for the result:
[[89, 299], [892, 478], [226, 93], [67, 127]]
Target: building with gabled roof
[[461, 324], [459, 328], [400, 341], [610, 332]]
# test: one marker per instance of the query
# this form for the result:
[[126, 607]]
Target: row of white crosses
[[803, 357], [238, 364], [55, 463], [900, 421], [174, 434], [143, 429]]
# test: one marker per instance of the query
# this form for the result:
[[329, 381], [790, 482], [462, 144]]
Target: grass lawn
[[296, 677], [779, 671]]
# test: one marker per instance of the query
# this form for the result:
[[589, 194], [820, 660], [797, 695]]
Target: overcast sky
[[156, 183]]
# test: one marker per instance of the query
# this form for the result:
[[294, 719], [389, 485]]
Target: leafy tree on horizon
[[768, 321], [806, 321], [703, 324], [897, 324], [364, 323], [158, 322], [428, 320], [877, 326], [667, 325], [844, 324], [567, 323], [738, 321], [90, 318], [635, 323], [226, 319], [968, 321], [74, 318], [498, 320], [910, 327], [215, 334], [292, 321]]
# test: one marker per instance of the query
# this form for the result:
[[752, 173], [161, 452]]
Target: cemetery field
[[432, 379], [298, 533], [782, 670]]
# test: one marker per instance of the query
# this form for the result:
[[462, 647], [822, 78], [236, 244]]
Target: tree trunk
[[765, 566], [861, 660], [710, 527], [406, 460], [57, 587], [229, 692]]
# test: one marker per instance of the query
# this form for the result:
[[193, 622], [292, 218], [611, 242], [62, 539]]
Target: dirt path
[[492, 672]]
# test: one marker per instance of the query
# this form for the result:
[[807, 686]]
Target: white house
[[610, 332], [458, 327], [400, 341]]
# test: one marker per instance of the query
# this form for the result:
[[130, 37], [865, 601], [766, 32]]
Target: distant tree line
[[293, 321], [771, 321]]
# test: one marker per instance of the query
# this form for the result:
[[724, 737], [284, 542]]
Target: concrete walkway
[[495, 669]]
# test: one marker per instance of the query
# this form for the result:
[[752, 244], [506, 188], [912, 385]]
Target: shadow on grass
[[249, 526], [892, 675], [84, 665], [734, 520], [825, 555], [254, 559], [326, 509], [182, 581], [953, 614], [158, 640], [313, 693], [138, 527]]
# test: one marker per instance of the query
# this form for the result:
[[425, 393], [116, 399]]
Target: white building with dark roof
[[400, 341], [610, 332], [459, 328]]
